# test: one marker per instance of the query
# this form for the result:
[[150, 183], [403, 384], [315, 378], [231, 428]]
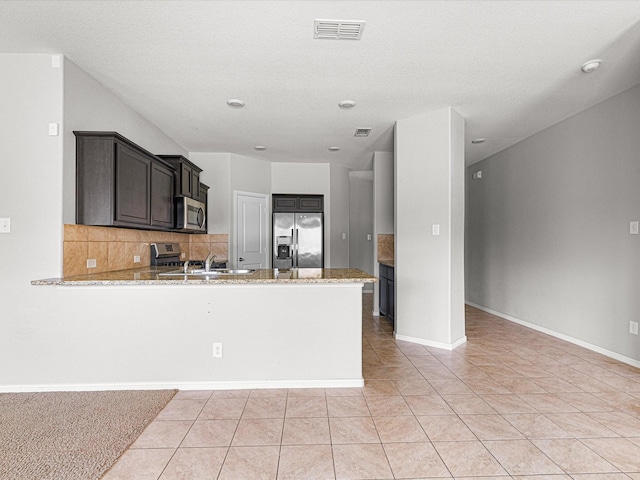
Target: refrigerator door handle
[[294, 248]]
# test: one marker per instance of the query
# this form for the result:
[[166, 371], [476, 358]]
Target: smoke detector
[[362, 132], [338, 29]]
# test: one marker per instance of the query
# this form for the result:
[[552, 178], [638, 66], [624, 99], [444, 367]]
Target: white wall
[[89, 106], [118, 337], [250, 174], [31, 196], [429, 190], [383, 209], [339, 180], [383, 165], [31, 95], [548, 238], [311, 178], [361, 254], [216, 174]]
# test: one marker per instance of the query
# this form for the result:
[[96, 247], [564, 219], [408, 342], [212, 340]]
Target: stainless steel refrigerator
[[298, 240]]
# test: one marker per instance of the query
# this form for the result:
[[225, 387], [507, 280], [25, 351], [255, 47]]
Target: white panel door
[[252, 231]]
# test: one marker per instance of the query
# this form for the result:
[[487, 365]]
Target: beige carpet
[[71, 435]]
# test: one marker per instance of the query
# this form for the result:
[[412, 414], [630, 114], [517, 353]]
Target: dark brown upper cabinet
[[204, 193], [188, 176], [297, 203], [118, 183]]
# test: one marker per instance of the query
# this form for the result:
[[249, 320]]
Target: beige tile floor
[[511, 402]]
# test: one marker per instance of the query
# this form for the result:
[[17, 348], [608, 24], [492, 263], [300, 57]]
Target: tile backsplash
[[386, 247], [115, 248]]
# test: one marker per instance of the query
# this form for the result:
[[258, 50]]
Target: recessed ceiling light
[[478, 140], [591, 65], [235, 103], [334, 149], [260, 147], [347, 104]]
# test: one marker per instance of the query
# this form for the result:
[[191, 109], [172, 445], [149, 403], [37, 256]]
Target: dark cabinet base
[[387, 302]]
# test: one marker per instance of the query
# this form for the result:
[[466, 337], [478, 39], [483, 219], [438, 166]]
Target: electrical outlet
[[633, 328], [217, 350], [136, 259], [5, 225], [91, 263]]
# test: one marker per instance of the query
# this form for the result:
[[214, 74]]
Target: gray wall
[[383, 207], [339, 246], [361, 223], [547, 227]]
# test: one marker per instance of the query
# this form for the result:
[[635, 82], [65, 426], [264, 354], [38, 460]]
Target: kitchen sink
[[214, 271]]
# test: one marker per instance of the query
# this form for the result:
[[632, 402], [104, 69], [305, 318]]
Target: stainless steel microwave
[[191, 215]]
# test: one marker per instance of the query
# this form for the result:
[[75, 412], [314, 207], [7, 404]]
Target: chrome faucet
[[207, 263]]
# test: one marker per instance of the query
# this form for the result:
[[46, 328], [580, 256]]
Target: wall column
[[429, 194]]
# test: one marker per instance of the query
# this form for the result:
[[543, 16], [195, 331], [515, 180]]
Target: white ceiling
[[510, 68]]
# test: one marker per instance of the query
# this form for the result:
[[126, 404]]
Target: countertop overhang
[[151, 276]]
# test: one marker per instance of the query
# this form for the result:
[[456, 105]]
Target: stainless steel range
[[169, 255]]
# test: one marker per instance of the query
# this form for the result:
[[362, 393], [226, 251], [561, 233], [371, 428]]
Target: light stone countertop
[[151, 276], [388, 263]]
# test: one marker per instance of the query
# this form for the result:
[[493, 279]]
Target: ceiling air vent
[[362, 132], [338, 29]]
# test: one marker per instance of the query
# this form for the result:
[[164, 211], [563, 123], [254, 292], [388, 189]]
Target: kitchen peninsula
[[138, 329]]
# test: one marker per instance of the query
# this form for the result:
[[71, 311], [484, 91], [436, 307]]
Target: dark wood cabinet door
[[133, 187], [195, 185], [161, 196], [285, 204], [391, 310], [185, 181], [387, 302], [204, 193], [311, 204], [384, 296]]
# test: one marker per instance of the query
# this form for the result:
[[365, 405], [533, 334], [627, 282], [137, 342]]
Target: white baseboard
[[230, 385], [429, 343], [561, 336]]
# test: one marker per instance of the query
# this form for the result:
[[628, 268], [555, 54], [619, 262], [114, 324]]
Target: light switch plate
[[633, 228], [435, 229], [5, 225], [53, 129], [91, 263]]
